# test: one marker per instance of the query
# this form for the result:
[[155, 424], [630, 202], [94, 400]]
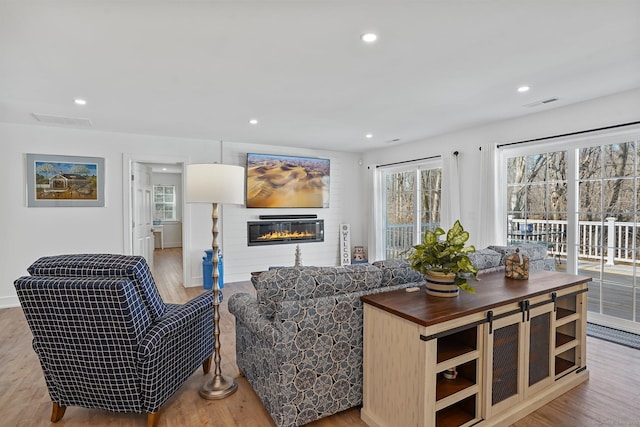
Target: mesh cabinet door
[[504, 382], [539, 348]]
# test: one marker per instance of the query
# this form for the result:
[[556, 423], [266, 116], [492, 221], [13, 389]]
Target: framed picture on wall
[[275, 181], [55, 181]]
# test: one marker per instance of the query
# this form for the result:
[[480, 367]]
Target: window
[[581, 198], [164, 202], [411, 204]]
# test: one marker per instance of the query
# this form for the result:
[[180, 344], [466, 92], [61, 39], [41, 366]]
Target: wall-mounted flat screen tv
[[287, 181]]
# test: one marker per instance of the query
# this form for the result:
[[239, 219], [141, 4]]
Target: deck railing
[[615, 241], [400, 237]]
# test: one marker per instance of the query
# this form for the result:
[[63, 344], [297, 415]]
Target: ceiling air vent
[[543, 102], [62, 120]]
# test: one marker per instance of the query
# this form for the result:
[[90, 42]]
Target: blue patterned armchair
[[105, 338], [299, 340]]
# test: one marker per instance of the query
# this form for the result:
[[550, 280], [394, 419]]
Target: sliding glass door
[[607, 237], [580, 198]]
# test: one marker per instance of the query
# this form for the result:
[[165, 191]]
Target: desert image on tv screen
[[287, 182]]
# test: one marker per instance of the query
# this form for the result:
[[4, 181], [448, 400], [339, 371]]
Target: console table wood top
[[492, 290]]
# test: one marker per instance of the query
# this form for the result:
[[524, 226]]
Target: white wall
[[606, 111], [29, 233], [344, 207]]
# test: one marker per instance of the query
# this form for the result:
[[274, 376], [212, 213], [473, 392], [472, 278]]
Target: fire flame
[[286, 234]]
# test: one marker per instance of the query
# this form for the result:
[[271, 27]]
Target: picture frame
[[64, 181], [281, 181]]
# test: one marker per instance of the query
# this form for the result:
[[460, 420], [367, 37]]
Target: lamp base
[[218, 387]]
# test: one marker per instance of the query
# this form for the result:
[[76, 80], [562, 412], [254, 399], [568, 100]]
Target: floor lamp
[[216, 184]]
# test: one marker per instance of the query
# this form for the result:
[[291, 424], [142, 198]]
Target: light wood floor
[[610, 398]]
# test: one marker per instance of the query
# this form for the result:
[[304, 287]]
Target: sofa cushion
[[273, 285], [534, 251], [300, 283], [397, 272], [485, 258], [548, 264]]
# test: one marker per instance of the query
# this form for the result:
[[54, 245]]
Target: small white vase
[[441, 284]]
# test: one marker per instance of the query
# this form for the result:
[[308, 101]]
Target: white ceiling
[[202, 69]]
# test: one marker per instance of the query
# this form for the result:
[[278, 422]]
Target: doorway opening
[[154, 212]]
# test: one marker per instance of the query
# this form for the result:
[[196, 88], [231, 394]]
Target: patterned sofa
[[492, 258], [299, 340], [105, 338]]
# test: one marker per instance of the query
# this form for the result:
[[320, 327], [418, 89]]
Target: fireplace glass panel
[[283, 232]]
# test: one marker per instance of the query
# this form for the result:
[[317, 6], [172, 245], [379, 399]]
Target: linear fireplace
[[282, 232]]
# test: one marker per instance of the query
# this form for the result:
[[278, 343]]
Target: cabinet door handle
[[554, 298], [490, 321]]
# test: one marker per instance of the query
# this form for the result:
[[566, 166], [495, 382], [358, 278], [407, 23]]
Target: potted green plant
[[444, 263]]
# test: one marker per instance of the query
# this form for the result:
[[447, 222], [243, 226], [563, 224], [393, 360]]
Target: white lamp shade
[[215, 183]]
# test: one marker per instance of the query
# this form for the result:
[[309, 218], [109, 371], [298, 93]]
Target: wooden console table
[[515, 344]]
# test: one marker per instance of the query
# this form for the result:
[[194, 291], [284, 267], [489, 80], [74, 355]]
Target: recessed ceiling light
[[369, 37], [369, 135], [522, 89], [80, 101], [164, 169], [253, 121]]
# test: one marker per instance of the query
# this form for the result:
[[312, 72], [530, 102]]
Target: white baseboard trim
[[168, 245], [195, 284], [8, 302]]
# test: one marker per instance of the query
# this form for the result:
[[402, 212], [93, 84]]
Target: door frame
[[128, 160]]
